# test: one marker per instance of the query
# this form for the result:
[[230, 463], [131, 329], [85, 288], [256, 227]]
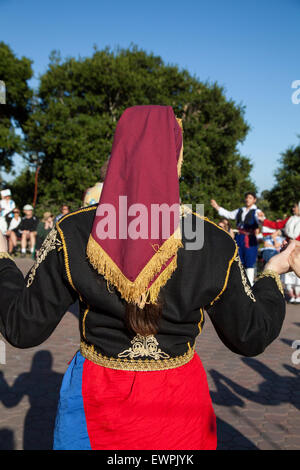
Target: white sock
[[250, 274], [23, 250], [31, 250]]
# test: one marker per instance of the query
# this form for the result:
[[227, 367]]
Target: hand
[[294, 260], [214, 204], [261, 216], [281, 263], [3, 243]]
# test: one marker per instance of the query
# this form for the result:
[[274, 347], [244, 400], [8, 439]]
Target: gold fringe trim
[[145, 365], [274, 275], [137, 291]]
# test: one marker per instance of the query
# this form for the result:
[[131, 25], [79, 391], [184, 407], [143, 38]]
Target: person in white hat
[[6, 203], [28, 228]]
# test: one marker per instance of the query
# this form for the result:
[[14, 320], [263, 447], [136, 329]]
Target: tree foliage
[[286, 191], [13, 115], [80, 100]]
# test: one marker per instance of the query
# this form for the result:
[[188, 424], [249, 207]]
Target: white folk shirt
[[232, 214]]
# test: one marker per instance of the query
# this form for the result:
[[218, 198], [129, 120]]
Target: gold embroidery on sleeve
[[144, 346], [4, 254], [50, 243], [247, 288], [274, 275]]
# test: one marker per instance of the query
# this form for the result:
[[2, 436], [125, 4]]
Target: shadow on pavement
[[6, 439], [42, 386], [272, 391]]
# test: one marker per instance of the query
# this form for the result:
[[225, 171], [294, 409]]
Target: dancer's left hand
[[294, 260]]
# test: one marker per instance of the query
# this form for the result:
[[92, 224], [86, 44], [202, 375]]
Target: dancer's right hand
[[284, 262], [294, 260]]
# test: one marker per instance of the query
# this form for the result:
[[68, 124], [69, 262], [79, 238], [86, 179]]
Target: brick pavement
[[256, 400]]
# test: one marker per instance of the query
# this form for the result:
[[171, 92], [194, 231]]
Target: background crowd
[[258, 238], [25, 234]]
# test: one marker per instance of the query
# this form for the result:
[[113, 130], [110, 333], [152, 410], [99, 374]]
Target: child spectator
[[28, 228], [224, 223], [64, 211]]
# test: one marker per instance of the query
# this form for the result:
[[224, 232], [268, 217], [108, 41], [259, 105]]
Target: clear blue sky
[[249, 47]]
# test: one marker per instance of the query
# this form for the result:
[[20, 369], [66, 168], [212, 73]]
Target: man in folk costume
[[247, 223], [291, 228], [136, 382]]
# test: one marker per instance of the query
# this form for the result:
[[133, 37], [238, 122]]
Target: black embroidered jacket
[[211, 279]]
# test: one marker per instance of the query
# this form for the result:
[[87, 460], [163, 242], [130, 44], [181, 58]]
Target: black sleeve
[[31, 309], [248, 319]]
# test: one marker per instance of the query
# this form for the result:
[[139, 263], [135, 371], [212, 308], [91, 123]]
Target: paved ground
[[257, 400]]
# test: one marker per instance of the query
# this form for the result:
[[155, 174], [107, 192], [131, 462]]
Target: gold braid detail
[[200, 324], [50, 243], [274, 275], [4, 254], [64, 246], [247, 288], [83, 320]]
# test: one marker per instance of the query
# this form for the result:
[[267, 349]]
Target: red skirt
[[160, 410]]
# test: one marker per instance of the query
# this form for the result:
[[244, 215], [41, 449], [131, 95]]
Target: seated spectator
[[272, 244], [64, 210], [6, 203], [13, 232], [224, 223], [43, 228], [28, 228]]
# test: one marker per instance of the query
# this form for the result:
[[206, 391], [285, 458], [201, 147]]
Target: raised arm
[[31, 309], [248, 319], [224, 212]]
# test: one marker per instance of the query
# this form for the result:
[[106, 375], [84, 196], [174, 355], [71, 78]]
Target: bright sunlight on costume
[[124, 390]]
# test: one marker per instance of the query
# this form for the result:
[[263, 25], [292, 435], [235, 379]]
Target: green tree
[[23, 187], [15, 73], [286, 190], [80, 101]]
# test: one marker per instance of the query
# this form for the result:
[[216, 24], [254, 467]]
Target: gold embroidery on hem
[[50, 243], [88, 351], [274, 275], [247, 288], [144, 346]]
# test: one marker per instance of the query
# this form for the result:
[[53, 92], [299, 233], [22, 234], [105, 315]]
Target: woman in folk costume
[[136, 382], [291, 227]]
